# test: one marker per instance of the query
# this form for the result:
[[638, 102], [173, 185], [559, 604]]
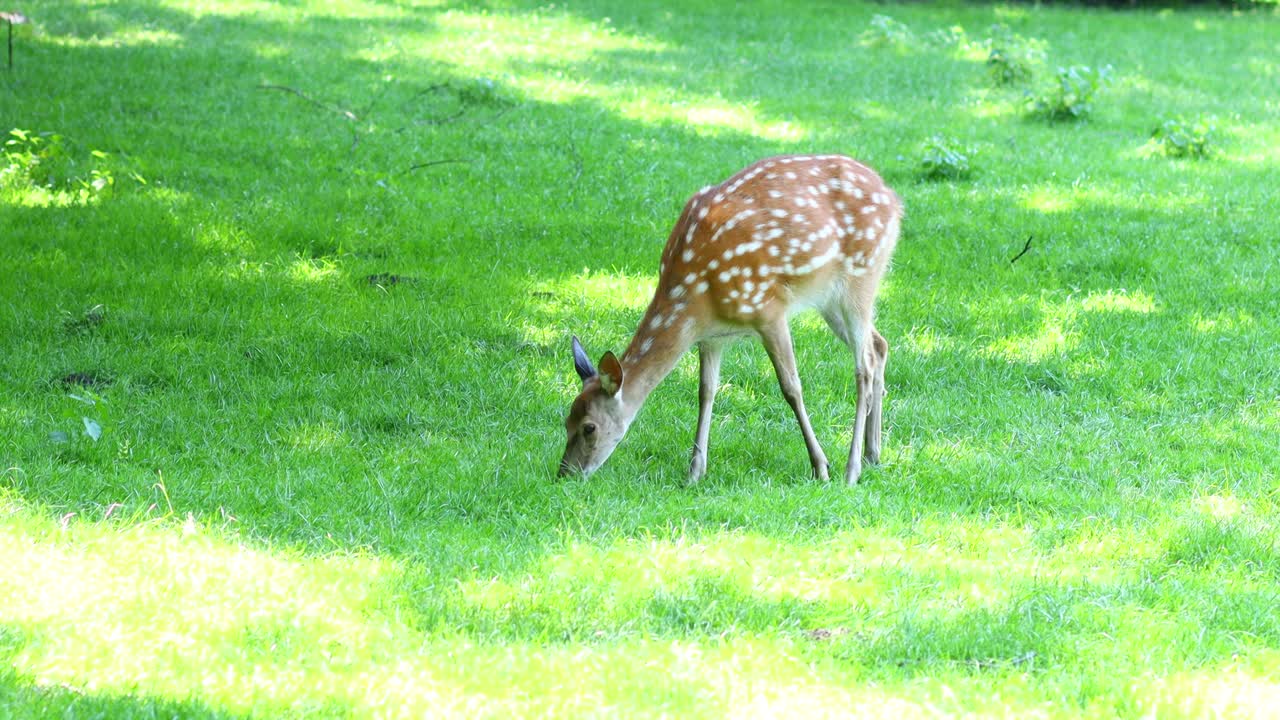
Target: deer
[[783, 235]]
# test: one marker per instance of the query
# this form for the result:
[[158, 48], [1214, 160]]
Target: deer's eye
[[589, 429]]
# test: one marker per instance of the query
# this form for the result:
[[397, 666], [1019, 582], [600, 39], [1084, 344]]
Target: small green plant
[[100, 180], [945, 159], [1178, 137], [31, 158], [948, 38], [1072, 94], [887, 32], [44, 162], [1012, 58], [86, 414]]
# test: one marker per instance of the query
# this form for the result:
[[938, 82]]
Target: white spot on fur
[[731, 224]]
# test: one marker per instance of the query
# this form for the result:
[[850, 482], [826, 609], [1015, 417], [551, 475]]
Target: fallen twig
[[419, 166], [404, 106], [1025, 248], [467, 106], [318, 103]]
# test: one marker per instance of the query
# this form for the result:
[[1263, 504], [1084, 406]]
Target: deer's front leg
[[777, 342], [709, 355]]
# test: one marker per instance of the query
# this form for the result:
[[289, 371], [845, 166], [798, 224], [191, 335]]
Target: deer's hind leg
[[875, 414], [851, 322]]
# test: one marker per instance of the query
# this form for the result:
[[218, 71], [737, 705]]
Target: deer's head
[[598, 418]]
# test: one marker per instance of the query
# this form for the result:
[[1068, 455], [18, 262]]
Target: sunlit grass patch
[[156, 606]]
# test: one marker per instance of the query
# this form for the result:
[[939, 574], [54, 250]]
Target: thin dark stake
[[1025, 248], [12, 18]]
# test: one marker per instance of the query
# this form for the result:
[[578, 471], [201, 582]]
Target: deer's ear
[[610, 373], [581, 362]]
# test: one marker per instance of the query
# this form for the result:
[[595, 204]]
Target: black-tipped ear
[[581, 362]]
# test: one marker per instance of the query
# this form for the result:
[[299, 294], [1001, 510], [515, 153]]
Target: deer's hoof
[[822, 471], [697, 469]]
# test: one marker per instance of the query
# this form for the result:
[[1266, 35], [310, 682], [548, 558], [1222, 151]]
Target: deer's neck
[[653, 353]]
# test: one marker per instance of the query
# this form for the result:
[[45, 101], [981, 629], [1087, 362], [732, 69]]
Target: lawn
[[288, 291]]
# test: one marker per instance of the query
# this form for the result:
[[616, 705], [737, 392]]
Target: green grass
[[320, 496]]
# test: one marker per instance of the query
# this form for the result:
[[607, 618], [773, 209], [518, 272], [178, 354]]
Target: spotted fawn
[[785, 234]]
